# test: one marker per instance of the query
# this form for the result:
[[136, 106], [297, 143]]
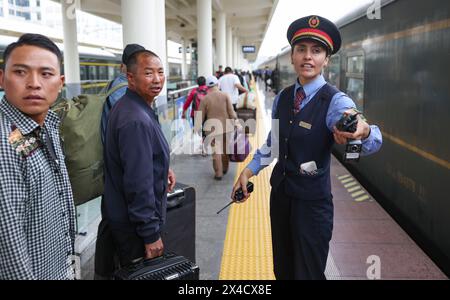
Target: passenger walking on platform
[[230, 84], [119, 80], [247, 79], [242, 81], [275, 80], [37, 213], [137, 174], [219, 73], [195, 98], [217, 106], [301, 207], [267, 78]]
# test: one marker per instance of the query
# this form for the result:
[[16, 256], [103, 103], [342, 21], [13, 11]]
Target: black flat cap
[[129, 50], [315, 28]]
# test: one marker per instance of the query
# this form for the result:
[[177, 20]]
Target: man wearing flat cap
[[104, 260], [301, 207], [137, 174], [121, 82]]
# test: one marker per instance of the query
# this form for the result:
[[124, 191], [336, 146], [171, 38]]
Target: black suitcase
[[178, 234], [246, 114], [167, 267]]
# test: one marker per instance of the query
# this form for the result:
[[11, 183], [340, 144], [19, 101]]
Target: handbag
[[239, 146]]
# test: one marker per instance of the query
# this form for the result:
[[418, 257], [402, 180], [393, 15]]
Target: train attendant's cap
[[129, 50], [315, 28], [211, 81]]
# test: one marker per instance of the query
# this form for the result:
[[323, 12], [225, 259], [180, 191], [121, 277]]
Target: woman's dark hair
[[201, 81], [32, 39]]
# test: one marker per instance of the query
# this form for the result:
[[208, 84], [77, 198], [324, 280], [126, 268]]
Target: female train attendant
[[301, 207]]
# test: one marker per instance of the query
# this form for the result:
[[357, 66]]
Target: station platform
[[236, 245]]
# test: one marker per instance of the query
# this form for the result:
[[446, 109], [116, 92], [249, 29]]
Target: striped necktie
[[299, 97]]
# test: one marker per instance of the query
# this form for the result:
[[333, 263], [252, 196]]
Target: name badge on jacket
[[305, 125]]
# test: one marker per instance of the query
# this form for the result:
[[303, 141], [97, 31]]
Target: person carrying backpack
[[37, 213], [195, 98]]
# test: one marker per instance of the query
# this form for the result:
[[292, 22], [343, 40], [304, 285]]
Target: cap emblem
[[314, 22]]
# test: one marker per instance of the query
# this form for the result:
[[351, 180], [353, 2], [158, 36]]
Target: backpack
[[80, 134], [198, 97]]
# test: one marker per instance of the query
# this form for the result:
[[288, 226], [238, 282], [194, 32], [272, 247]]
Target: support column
[[214, 55], [235, 52], [229, 46], [204, 29], [71, 56], [184, 69], [144, 23], [239, 49], [241, 62], [221, 35]]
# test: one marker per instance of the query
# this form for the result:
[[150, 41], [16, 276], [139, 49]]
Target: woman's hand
[[362, 131], [242, 183]]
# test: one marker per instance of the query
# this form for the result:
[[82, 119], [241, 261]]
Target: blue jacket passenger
[[137, 174], [137, 163]]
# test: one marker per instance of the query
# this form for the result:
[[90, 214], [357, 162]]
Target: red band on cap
[[314, 32]]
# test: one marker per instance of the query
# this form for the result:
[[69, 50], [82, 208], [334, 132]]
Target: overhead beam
[[250, 18]]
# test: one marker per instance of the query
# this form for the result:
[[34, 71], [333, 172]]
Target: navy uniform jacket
[[310, 141], [308, 144], [136, 169]]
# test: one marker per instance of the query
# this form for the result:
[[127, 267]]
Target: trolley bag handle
[[175, 199]]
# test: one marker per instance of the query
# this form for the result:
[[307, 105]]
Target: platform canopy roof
[[249, 19]]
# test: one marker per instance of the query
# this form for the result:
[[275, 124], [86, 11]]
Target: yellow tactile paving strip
[[247, 253]]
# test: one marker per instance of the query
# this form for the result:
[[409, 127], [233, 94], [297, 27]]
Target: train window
[[355, 90], [116, 72], [333, 72], [355, 64], [355, 78], [111, 73], [83, 73], [92, 73], [102, 73]]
